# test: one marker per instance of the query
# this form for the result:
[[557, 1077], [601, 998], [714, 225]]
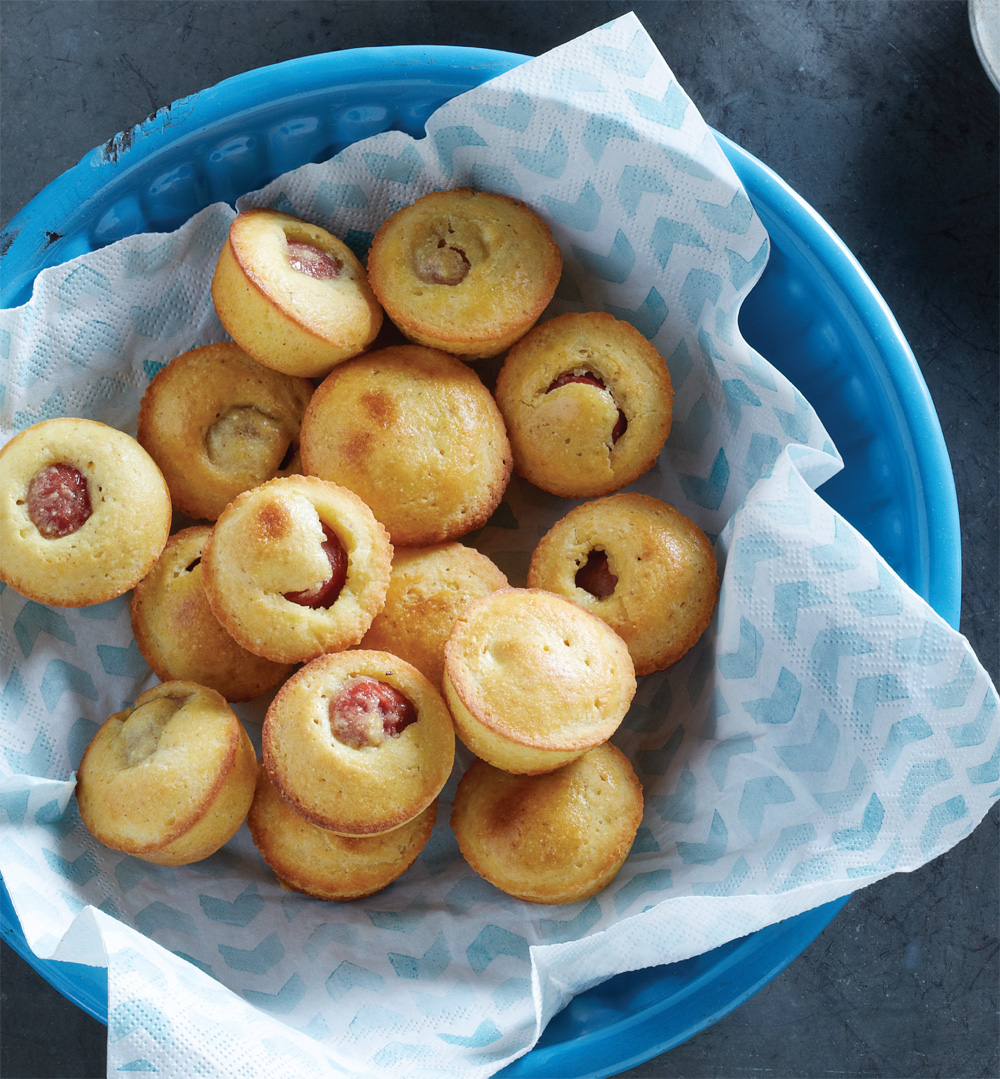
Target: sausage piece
[[312, 261], [592, 380], [366, 712], [325, 592], [58, 500], [595, 576]]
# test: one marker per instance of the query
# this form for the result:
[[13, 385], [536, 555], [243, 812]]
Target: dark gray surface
[[880, 116]]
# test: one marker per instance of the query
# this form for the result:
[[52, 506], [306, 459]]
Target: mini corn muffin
[[533, 680], [588, 404], [358, 742], [465, 271], [218, 423], [84, 512], [169, 780], [320, 863], [428, 589], [296, 567], [292, 295], [554, 838], [415, 433], [178, 635], [638, 564]]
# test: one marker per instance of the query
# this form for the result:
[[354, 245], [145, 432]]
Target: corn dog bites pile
[[328, 482]]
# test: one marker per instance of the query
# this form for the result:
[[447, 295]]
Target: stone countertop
[[880, 116]]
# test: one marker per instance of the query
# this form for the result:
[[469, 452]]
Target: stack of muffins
[[326, 473]]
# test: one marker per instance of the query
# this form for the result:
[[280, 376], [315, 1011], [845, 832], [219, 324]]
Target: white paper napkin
[[830, 728]]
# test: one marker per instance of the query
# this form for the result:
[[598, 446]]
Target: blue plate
[[814, 314]]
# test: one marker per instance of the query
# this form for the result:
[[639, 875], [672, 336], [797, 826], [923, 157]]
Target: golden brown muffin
[[428, 589], [320, 863], [296, 567], [588, 404], [218, 423], [415, 433], [638, 564], [358, 742], [292, 295], [554, 838], [465, 271], [533, 681], [169, 780], [178, 635], [84, 512]]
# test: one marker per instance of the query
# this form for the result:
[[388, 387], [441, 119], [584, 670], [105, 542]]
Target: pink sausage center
[[325, 592], [595, 576], [312, 262], [366, 712], [58, 500], [592, 380]]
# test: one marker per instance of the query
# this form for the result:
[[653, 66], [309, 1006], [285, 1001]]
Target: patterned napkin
[[830, 728]]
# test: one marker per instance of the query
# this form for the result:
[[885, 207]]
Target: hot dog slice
[[58, 500], [366, 712]]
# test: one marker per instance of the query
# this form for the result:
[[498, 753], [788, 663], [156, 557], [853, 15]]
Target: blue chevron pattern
[[940, 817], [134, 1014], [347, 976], [735, 217], [988, 771], [738, 395], [493, 942], [831, 647], [864, 835], [485, 1034], [668, 110], [680, 805], [730, 884], [240, 911], [583, 213], [758, 795], [330, 197], [688, 433], [556, 930], [430, 965], [601, 129], [647, 318], [651, 884], [780, 706], [742, 270], [638, 180], [36, 761], [790, 839], [724, 752], [790, 598], [613, 267], [159, 916], [816, 755], [551, 161], [282, 1002], [838, 801], [901, 734], [711, 849], [514, 115], [743, 663], [634, 59], [665, 236], [708, 492]]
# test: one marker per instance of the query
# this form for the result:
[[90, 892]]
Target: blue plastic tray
[[814, 314]]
